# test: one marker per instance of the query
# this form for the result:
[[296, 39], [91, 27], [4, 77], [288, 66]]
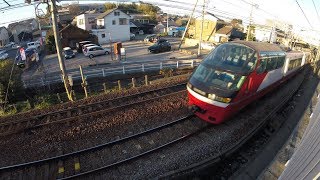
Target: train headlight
[[222, 99], [212, 96]]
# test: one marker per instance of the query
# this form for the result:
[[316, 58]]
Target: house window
[[103, 35], [116, 13], [80, 21], [123, 21], [113, 22]]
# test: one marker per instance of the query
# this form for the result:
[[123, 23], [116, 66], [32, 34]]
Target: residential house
[[22, 31], [71, 34], [141, 28], [264, 33], [228, 33], [87, 21], [112, 25], [161, 27], [209, 28], [142, 18], [4, 36]]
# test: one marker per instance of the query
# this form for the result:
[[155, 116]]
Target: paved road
[[136, 55]]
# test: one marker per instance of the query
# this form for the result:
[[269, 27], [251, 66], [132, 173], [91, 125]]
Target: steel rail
[[87, 114], [87, 105], [139, 155], [226, 153], [97, 147]]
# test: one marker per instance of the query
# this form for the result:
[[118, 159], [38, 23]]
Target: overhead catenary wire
[[314, 5], [6, 2], [304, 14]]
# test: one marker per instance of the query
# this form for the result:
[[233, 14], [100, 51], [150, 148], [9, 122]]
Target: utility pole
[[184, 33], [111, 48], [167, 23], [59, 50], [201, 30], [249, 28]]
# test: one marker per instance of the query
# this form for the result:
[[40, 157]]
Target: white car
[[3, 55], [35, 45], [84, 47], [208, 46], [95, 51], [10, 45]]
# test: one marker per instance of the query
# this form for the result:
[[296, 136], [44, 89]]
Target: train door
[[256, 77]]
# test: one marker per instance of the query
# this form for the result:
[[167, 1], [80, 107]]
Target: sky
[[284, 10]]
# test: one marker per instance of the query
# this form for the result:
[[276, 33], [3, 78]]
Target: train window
[[262, 66], [211, 78], [280, 61], [233, 57], [271, 63]]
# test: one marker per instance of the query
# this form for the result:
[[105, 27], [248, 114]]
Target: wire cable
[[304, 14], [314, 5]]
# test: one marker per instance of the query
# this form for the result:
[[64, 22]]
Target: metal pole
[[201, 30], [184, 33], [167, 23], [111, 52], [84, 82], [249, 28], [59, 50]]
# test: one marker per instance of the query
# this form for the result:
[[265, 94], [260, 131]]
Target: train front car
[[229, 77]]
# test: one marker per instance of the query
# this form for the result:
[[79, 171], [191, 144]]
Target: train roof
[[260, 46]]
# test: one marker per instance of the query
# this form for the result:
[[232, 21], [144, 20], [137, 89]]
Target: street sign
[[22, 54]]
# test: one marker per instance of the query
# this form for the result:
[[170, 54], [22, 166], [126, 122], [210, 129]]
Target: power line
[[6, 2], [9, 22], [314, 5], [304, 14]]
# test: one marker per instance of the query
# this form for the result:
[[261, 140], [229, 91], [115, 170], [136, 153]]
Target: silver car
[[95, 51]]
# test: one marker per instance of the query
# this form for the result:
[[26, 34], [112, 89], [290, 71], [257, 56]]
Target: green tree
[[110, 6], [50, 43], [15, 84]]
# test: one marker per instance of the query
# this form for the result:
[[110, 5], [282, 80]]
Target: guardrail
[[104, 72]]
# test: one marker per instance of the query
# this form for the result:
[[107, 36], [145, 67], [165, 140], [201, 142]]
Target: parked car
[[150, 38], [68, 53], [208, 45], [160, 46], [35, 45], [12, 45], [3, 55], [95, 51], [132, 36], [80, 44], [84, 47]]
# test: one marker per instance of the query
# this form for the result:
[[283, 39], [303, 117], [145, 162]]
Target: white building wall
[[118, 32], [102, 34], [81, 22], [4, 37], [85, 21], [263, 35]]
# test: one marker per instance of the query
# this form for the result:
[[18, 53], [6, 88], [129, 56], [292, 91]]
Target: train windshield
[[232, 57], [211, 79]]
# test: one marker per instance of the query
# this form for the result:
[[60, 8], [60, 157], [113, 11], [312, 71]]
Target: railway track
[[86, 111], [106, 156]]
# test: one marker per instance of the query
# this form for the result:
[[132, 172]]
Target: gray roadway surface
[[136, 55]]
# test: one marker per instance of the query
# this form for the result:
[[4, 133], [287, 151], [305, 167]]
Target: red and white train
[[238, 73]]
